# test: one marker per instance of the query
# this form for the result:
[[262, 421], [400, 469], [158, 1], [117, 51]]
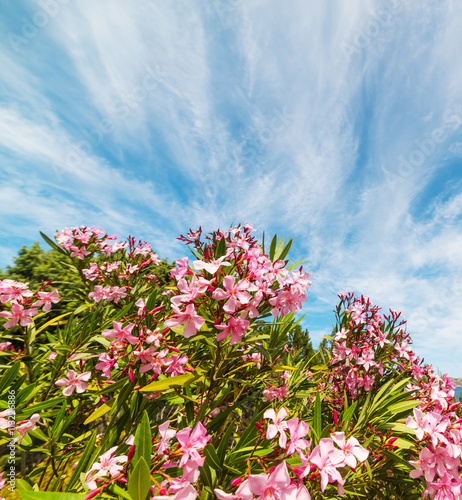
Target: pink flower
[[296, 492], [46, 299], [191, 443], [270, 487], [417, 424], [425, 465], [176, 364], [4, 422], [79, 252], [446, 488], [234, 293], [166, 435], [278, 426], [435, 426], [242, 493], [298, 430], [404, 350], [14, 291], [187, 493], [18, 314], [182, 268], [382, 339], [107, 463], [212, 266], [106, 364], [72, 382], [367, 359], [351, 450], [4, 346], [27, 425], [236, 327], [327, 459], [189, 318], [121, 334]]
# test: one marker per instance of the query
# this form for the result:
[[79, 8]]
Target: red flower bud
[[131, 376], [392, 440], [335, 418], [93, 494], [258, 425], [131, 453], [162, 492], [236, 481]]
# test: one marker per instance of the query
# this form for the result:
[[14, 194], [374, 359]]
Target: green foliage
[[147, 374]]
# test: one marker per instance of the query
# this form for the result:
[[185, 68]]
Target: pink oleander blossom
[[236, 327], [188, 317], [270, 487], [242, 493], [166, 434], [107, 464], [235, 293], [27, 425], [121, 334], [46, 299], [298, 429], [73, 382], [327, 458], [278, 426], [106, 364], [18, 315], [350, 450], [192, 442]]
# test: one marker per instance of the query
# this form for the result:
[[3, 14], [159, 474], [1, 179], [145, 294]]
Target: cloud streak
[[339, 125]]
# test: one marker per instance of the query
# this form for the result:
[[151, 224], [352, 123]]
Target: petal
[[257, 483]]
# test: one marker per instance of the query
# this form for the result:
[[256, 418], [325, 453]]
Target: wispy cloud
[[337, 124]]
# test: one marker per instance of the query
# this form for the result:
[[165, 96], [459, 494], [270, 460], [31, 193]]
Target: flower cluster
[[361, 345], [439, 433], [24, 302], [321, 464], [184, 454], [243, 282]]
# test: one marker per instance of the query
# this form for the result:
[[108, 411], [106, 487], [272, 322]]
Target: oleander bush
[[195, 387]]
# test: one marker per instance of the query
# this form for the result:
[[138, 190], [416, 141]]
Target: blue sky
[[336, 123]]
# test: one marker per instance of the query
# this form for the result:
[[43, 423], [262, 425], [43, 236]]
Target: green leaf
[[49, 323], [273, 247], [117, 490], [286, 250], [221, 248], [53, 244], [50, 495], [279, 249], [83, 464], [168, 383], [212, 458], [9, 376], [140, 480], [143, 444], [102, 410], [293, 266], [223, 448], [317, 417], [23, 485]]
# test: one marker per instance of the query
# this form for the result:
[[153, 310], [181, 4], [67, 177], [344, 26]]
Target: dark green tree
[[299, 340]]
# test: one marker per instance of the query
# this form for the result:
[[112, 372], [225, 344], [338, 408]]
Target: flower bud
[[237, 481], [131, 376], [131, 453], [93, 494]]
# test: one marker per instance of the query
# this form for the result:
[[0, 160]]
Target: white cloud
[[292, 116]]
